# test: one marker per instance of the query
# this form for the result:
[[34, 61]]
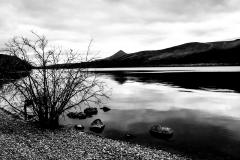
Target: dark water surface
[[202, 106]]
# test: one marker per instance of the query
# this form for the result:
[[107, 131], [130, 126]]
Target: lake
[[201, 105]]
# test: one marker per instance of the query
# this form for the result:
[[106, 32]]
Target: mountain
[[117, 55], [12, 63], [188, 54]]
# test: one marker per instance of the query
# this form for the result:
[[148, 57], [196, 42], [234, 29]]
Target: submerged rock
[[77, 115], [105, 109], [90, 111], [129, 136], [159, 131], [97, 126]]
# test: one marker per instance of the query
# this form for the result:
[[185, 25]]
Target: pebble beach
[[23, 141]]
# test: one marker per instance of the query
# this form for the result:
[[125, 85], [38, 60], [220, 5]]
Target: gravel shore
[[21, 140]]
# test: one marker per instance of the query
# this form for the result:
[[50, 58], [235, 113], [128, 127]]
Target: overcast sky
[[129, 25]]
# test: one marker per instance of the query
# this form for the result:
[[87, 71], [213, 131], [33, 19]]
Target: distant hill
[[188, 54], [12, 63], [117, 55]]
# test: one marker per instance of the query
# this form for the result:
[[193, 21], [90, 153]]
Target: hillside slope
[[212, 53], [12, 63], [188, 54]]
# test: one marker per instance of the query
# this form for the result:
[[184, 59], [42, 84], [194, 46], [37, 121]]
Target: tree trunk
[[50, 123]]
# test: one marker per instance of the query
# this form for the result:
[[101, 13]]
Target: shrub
[[47, 93]]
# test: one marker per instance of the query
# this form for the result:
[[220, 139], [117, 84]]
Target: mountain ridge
[[12, 63], [193, 53], [119, 54], [187, 54]]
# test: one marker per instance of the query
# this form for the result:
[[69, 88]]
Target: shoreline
[[21, 140]]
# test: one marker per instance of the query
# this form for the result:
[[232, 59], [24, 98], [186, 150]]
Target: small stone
[[79, 127], [105, 109]]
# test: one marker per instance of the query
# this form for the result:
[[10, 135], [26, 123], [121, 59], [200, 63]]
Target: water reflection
[[192, 80], [7, 77], [202, 108], [194, 133]]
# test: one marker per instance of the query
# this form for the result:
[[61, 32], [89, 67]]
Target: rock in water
[[77, 115], [97, 126], [79, 127], [81, 115], [72, 115], [90, 111], [159, 131], [105, 109]]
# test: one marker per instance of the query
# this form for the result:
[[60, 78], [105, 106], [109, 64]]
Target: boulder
[[79, 127], [105, 109], [72, 115], [97, 126], [77, 115], [159, 131], [81, 115], [90, 111]]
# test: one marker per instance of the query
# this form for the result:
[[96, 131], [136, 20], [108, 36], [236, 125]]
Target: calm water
[[201, 105]]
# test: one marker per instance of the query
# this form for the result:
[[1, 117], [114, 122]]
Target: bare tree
[[50, 92]]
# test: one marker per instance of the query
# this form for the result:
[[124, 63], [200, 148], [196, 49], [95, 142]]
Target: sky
[[128, 25]]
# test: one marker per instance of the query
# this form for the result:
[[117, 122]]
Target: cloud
[[131, 25]]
